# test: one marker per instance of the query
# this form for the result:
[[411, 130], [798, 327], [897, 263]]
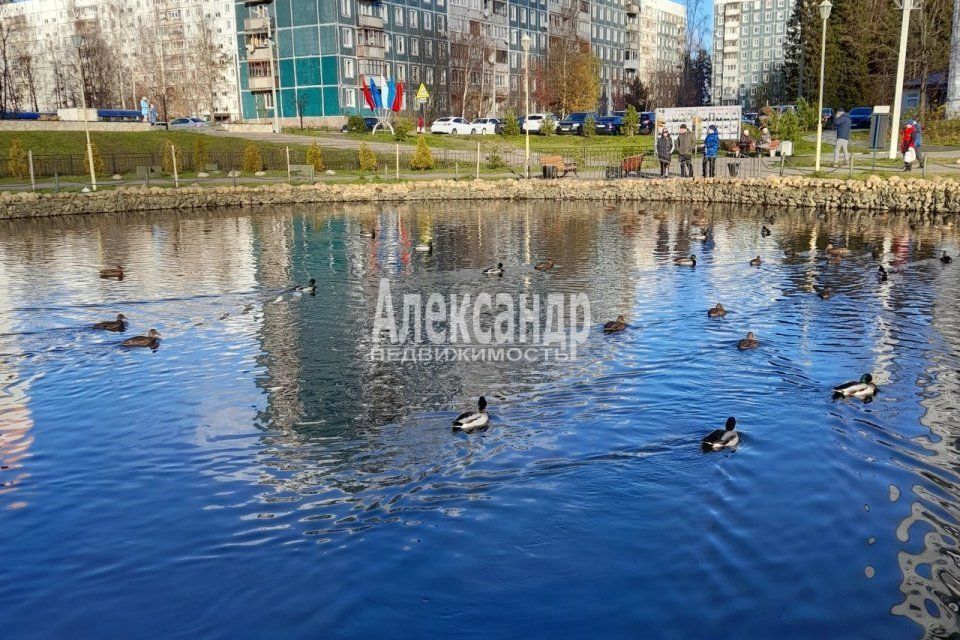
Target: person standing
[[152, 117], [144, 109], [842, 125], [420, 124], [917, 140], [685, 147], [908, 147], [711, 147], [664, 150], [747, 143]]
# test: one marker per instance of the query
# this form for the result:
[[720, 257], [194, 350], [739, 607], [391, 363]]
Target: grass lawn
[[120, 142]]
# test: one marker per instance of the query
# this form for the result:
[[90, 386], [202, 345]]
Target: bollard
[[33, 181], [146, 178], [56, 181], [782, 160], [289, 179], [456, 170], [397, 172], [850, 174], [176, 176], [478, 160], [234, 175]]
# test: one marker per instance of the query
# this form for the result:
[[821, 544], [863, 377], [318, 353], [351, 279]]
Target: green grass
[[74, 142]]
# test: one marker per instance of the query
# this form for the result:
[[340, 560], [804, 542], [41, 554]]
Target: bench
[[305, 170], [632, 164], [774, 145], [557, 167]]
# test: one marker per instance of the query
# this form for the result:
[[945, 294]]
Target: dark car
[[573, 123], [610, 125], [826, 117], [860, 117], [368, 124], [648, 122]]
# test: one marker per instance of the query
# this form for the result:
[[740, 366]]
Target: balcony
[[371, 22], [631, 66], [261, 83], [256, 25], [370, 51], [633, 8], [258, 54]]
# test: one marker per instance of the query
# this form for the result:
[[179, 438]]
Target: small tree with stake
[[300, 103]]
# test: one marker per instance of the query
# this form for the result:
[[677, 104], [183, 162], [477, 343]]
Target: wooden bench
[[304, 170], [632, 164], [557, 167]]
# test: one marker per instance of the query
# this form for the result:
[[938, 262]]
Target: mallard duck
[[310, 288], [424, 247], [825, 293], [472, 420], [756, 262], [862, 389], [152, 340], [764, 231], [770, 219], [112, 273], [615, 325], [372, 233], [726, 438], [494, 271], [945, 258], [750, 342], [686, 262], [544, 266], [717, 312], [641, 211], [882, 274], [120, 324], [837, 251], [876, 253]]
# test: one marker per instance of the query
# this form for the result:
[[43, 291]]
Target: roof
[[936, 78]]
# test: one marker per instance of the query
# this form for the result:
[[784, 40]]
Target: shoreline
[[933, 196]]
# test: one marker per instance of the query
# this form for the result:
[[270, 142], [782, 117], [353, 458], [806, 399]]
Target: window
[[348, 69], [346, 8], [349, 98], [346, 35], [401, 45], [402, 72], [413, 18], [415, 46], [398, 17], [427, 20]]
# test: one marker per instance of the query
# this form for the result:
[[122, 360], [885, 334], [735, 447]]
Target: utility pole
[[274, 74], [907, 7], [953, 80]]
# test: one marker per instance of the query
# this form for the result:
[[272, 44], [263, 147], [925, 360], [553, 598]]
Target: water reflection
[[264, 420]]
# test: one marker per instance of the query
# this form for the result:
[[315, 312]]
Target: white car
[[452, 125], [535, 122], [487, 126]]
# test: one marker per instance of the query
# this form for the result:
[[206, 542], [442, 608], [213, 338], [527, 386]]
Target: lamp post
[[907, 7], [825, 8], [273, 83], [525, 44], [492, 59], [78, 43]]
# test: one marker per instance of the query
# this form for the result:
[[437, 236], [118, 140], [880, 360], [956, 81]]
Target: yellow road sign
[[422, 93]]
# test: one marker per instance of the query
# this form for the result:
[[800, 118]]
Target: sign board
[[880, 127], [727, 120], [422, 94]]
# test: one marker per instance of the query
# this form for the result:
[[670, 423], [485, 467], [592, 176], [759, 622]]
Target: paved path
[[335, 141]]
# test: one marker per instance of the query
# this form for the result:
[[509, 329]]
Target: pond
[[280, 466]]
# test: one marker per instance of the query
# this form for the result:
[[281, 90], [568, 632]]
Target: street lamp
[[78, 43], [273, 80], [907, 6], [492, 59], [825, 8], [525, 44]]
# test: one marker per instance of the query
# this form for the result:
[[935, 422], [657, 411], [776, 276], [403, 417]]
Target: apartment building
[[749, 38], [655, 38]]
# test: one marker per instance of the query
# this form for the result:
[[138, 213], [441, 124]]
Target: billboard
[[727, 120]]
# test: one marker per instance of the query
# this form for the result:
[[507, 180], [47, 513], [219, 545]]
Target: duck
[[876, 253], [615, 325], [372, 233], [120, 324], [152, 340], [611, 207], [756, 262], [750, 342], [770, 219], [642, 211], [310, 287], [882, 274], [764, 231], [112, 273], [945, 258], [862, 389], [424, 247], [717, 312], [545, 266], [494, 271], [837, 251], [825, 293], [472, 420], [686, 262], [726, 438]]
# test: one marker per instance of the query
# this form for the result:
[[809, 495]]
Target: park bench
[[632, 164], [304, 170], [557, 167]]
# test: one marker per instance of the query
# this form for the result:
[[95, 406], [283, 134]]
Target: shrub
[[631, 120], [252, 162], [422, 159], [315, 157], [201, 153], [510, 125], [98, 166], [788, 127], [355, 124], [494, 159], [18, 164], [807, 115], [167, 160], [402, 127], [632, 150], [548, 126], [589, 127], [367, 158]]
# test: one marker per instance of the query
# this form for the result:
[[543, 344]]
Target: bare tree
[[467, 55], [209, 65], [572, 71]]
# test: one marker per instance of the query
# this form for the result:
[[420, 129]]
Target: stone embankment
[[937, 196]]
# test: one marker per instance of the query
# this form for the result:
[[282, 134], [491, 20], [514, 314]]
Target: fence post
[[147, 174], [397, 172], [456, 168], [289, 179], [782, 160], [56, 181], [234, 175], [176, 176], [850, 174], [923, 168], [33, 182], [478, 160]]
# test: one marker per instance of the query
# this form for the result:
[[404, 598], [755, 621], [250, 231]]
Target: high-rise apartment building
[[655, 38], [748, 48]]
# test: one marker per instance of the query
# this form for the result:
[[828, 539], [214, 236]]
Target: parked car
[[826, 117], [648, 122], [535, 122], [860, 117], [189, 123], [573, 123], [452, 125], [487, 126], [369, 123], [609, 125], [749, 117]]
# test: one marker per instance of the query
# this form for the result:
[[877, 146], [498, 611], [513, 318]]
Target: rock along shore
[[936, 196]]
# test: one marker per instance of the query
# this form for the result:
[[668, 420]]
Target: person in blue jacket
[[711, 147]]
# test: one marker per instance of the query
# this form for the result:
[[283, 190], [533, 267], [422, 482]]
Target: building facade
[[655, 38], [748, 53], [180, 50]]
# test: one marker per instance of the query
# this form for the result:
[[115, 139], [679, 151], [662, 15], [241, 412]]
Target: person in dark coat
[[711, 147], [664, 150], [685, 147], [842, 125]]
